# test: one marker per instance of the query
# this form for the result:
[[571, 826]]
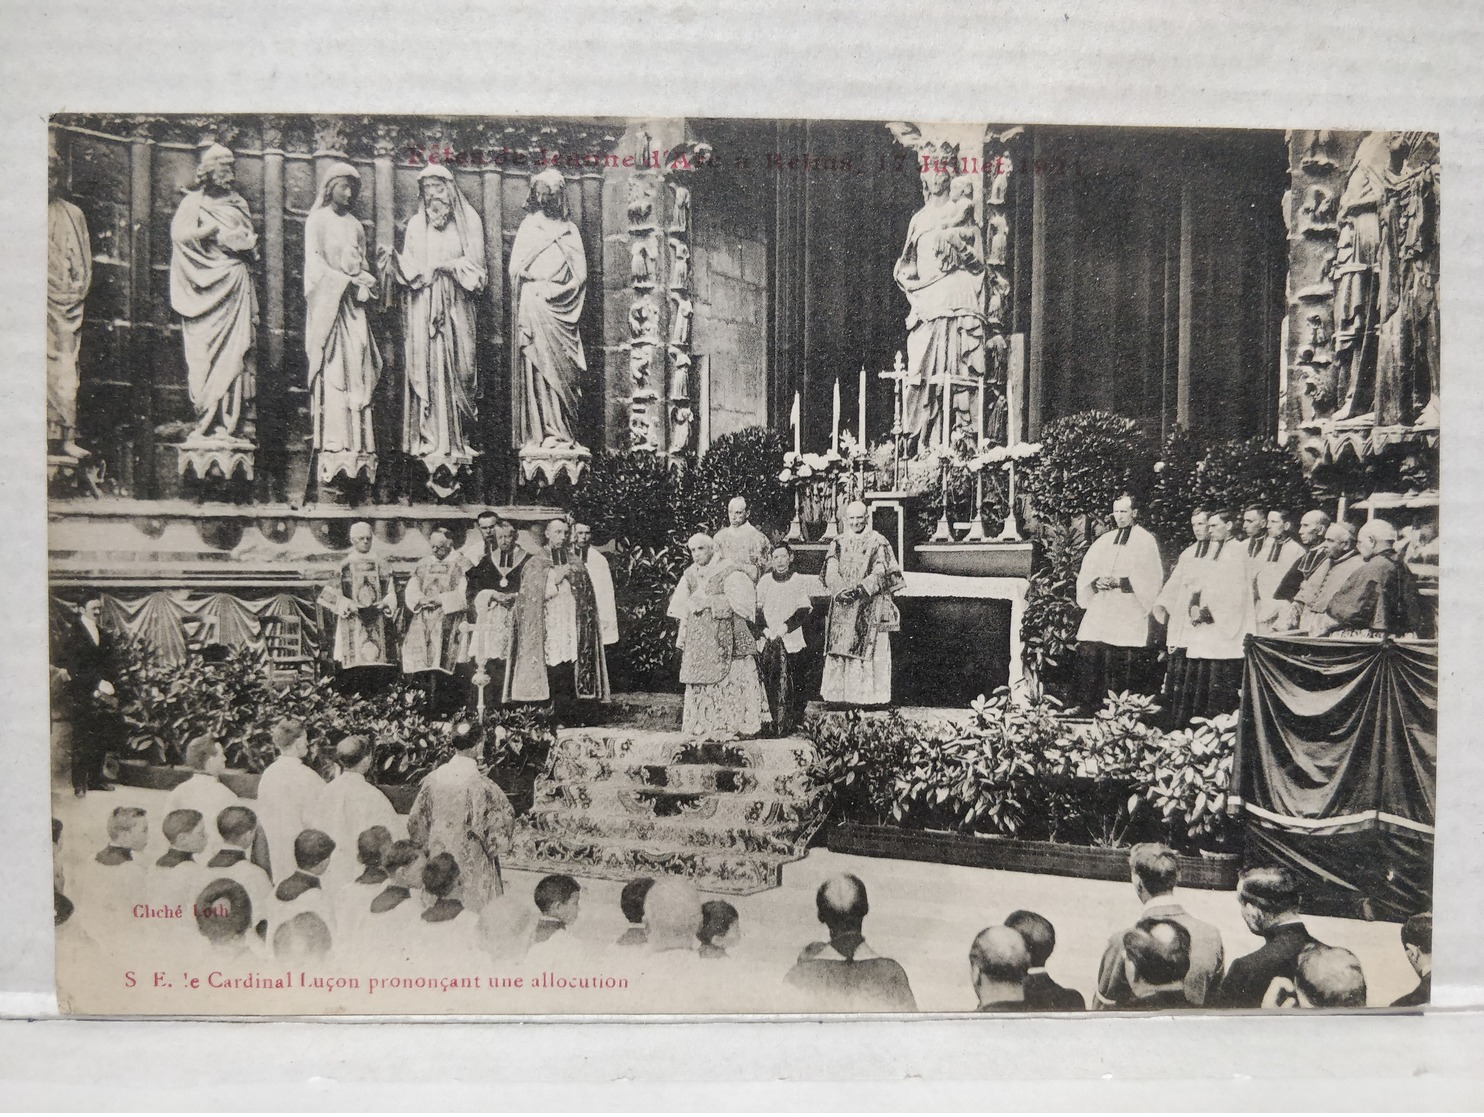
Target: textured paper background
[[1252, 64]]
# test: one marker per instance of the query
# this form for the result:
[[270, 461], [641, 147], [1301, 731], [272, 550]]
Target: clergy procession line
[[1335, 580]]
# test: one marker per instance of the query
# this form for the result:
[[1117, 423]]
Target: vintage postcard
[[515, 565]]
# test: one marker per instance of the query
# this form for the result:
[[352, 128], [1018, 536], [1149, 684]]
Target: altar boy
[[783, 605]]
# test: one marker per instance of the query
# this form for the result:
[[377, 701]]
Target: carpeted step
[[619, 802]]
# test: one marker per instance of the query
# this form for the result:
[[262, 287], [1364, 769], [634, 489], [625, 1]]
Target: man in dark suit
[[88, 659], [1041, 993], [1156, 956], [998, 962], [1417, 942], [1269, 899]]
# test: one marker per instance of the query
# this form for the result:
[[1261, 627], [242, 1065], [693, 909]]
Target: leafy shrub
[[164, 707], [1017, 770], [1255, 470], [636, 499], [645, 657], [1048, 629], [1087, 461], [747, 464]]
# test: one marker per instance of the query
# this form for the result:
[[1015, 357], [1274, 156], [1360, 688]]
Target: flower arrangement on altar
[[818, 482]]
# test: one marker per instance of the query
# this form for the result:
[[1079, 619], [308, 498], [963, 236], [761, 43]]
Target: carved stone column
[[145, 331]]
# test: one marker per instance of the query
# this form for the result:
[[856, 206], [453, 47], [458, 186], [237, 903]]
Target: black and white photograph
[[615, 565]]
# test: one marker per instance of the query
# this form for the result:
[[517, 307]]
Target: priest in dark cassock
[[363, 599], [577, 667], [1380, 597], [1279, 554], [1170, 608], [436, 602], [1222, 615], [86, 657], [1118, 586], [1311, 537], [1315, 594], [496, 566]]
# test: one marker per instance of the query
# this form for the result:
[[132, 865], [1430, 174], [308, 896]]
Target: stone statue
[[641, 359], [680, 322], [999, 237], [548, 277], [999, 184], [344, 362], [213, 246], [680, 381], [440, 269], [679, 264], [641, 262], [680, 424], [69, 277], [941, 271], [641, 203], [644, 317], [1386, 343], [680, 211]]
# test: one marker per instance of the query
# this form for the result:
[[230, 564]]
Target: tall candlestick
[[860, 432], [835, 422], [793, 417]]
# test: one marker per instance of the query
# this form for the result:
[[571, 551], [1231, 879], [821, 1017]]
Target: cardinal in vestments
[[1171, 609], [863, 578], [69, 277], [363, 599], [496, 566], [1311, 537], [548, 284], [1118, 585], [344, 362], [1380, 597], [461, 811], [1222, 615], [436, 600], [1314, 595], [442, 267], [1279, 554], [716, 605], [576, 663], [211, 288]]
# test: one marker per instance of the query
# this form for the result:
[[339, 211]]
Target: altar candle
[[793, 417], [860, 431], [835, 420]]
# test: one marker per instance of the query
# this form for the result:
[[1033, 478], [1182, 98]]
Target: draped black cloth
[[1336, 768]]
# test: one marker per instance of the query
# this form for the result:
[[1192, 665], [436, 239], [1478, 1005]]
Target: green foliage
[[643, 579], [1187, 778], [637, 499], [1087, 461], [1172, 497], [747, 464], [1018, 770], [1048, 630], [1238, 472], [164, 707]]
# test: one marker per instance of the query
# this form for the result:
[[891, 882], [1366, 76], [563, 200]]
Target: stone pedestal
[[549, 463], [220, 458]]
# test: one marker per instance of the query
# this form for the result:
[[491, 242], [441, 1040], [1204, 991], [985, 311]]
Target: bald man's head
[[842, 904], [1329, 977], [1377, 537], [1000, 954]]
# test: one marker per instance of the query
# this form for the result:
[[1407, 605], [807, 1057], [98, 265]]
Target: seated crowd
[[370, 892]]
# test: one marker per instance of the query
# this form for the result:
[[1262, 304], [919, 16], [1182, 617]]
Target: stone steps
[[621, 802]]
